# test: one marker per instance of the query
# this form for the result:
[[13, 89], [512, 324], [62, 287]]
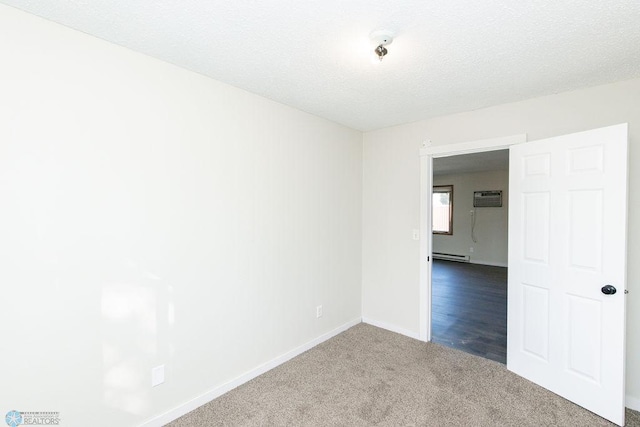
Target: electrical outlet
[[416, 234], [471, 249], [319, 311], [157, 375]]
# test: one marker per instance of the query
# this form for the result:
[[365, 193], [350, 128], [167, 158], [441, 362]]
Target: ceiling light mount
[[381, 38]]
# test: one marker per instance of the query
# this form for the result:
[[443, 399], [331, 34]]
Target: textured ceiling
[[448, 55]]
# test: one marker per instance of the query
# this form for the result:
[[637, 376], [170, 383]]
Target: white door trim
[[427, 154]]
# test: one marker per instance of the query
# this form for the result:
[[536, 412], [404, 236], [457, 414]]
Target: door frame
[[427, 154]]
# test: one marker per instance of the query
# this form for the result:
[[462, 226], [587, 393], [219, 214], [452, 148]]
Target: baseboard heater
[[451, 257]]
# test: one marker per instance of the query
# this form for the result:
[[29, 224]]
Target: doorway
[[427, 155], [469, 248]]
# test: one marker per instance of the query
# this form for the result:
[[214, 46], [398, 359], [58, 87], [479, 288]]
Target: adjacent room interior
[[470, 237], [208, 204]]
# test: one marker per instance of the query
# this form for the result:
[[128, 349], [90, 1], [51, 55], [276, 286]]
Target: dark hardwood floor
[[469, 308]]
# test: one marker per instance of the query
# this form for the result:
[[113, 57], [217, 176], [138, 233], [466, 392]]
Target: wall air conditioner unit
[[487, 199]]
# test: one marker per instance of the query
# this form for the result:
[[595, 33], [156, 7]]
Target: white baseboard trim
[[392, 328], [632, 403], [493, 264], [208, 396]]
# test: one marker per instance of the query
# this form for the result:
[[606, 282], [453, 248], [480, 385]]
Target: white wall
[[150, 215], [391, 194], [492, 226]]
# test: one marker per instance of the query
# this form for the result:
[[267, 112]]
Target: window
[[443, 209]]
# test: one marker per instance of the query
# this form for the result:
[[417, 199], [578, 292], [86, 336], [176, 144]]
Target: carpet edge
[[218, 391], [632, 402], [392, 328]]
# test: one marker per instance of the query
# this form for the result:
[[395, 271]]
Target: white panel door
[[567, 240]]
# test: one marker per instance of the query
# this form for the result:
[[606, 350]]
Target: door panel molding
[[585, 213]]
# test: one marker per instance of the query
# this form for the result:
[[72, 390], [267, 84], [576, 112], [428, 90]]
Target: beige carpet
[[368, 376]]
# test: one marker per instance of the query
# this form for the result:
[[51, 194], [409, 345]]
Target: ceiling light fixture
[[381, 51], [381, 38]]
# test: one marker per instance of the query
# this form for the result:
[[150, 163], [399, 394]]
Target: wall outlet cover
[[157, 375]]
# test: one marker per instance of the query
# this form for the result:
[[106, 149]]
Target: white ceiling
[[475, 162], [448, 55]]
